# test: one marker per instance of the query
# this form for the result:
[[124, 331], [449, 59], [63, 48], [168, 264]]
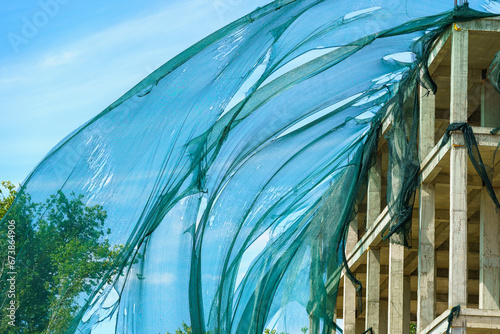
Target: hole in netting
[[372, 97], [298, 61], [317, 115], [293, 315], [107, 325], [360, 13], [402, 58], [389, 78], [107, 305], [145, 91], [250, 255], [285, 223], [201, 211], [367, 115], [248, 84]]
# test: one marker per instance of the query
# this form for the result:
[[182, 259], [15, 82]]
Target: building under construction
[[455, 254], [230, 190]]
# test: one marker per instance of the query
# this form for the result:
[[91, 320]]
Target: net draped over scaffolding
[[217, 192]]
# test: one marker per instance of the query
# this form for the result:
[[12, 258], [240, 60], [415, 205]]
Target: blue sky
[[64, 61]]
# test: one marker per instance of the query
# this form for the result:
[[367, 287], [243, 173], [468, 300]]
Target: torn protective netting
[[494, 72], [219, 189]]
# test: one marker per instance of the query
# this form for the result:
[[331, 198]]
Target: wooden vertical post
[[394, 316], [426, 290], [427, 122], [372, 319], [396, 291], [489, 254], [426, 298], [349, 309], [457, 287], [374, 193], [314, 325]]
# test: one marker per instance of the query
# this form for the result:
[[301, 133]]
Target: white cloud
[[62, 86], [58, 59]]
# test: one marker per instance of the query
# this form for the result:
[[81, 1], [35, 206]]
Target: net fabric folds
[[216, 194]]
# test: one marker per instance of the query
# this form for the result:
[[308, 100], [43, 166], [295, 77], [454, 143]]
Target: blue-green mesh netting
[[217, 192]]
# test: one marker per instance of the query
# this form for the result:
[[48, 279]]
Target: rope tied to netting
[[454, 314], [474, 155]]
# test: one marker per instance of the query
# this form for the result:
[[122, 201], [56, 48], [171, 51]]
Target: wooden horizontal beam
[[436, 56], [429, 170], [443, 298], [474, 318], [473, 180], [372, 235], [485, 138], [429, 167], [475, 74], [489, 24]]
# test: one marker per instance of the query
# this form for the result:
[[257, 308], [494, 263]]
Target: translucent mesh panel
[[215, 195], [494, 72]]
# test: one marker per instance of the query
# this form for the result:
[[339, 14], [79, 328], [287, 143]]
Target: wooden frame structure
[[455, 254]]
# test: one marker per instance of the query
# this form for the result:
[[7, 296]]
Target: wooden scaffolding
[[455, 254]]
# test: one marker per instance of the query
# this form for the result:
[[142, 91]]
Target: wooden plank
[[481, 25], [436, 56], [429, 167], [457, 288], [349, 302], [439, 325], [426, 310], [471, 318], [373, 234], [372, 319], [396, 289]]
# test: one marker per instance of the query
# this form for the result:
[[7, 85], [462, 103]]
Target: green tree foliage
[[8, 194], [61, 254], [185, 329]]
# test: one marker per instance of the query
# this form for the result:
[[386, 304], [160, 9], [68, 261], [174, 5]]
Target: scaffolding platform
[[455, 254]]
